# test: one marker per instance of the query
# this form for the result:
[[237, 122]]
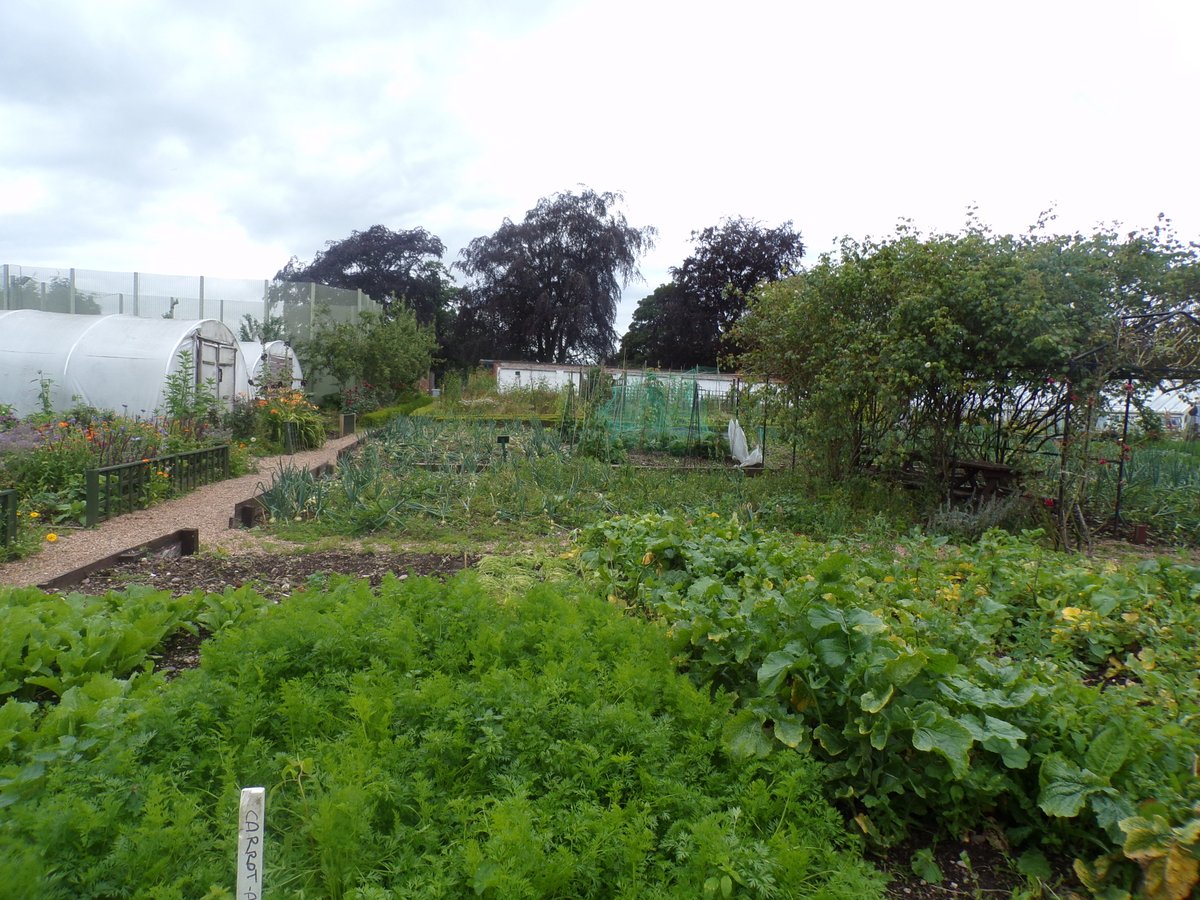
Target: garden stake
[[251, 820]]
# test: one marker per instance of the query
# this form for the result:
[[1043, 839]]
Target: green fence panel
[[195, 468], [113, 490], [8, 517]]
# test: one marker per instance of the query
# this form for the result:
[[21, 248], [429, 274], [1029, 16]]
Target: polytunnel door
[[217, 365]]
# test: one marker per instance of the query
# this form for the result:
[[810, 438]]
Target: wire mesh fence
[[148, 295]]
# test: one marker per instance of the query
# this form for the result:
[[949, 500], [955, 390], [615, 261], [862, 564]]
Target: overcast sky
[[224, 137]]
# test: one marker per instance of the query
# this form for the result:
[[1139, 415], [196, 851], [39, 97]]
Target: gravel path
[[208, 508]]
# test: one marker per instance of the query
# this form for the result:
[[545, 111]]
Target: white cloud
[[226, 137]]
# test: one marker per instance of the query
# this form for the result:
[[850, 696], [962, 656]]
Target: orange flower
[[63, 425], [52, 537]]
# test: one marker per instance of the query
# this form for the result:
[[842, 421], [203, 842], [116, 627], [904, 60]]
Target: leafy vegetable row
[[49, 644], [991, 686], [416, 740]]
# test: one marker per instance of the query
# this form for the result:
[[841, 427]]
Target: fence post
[[8, 517], [251, 823], [312, 306], [136, 296], [92, 478], [201, 310], [6, 282], [766, 389], [71, 293]]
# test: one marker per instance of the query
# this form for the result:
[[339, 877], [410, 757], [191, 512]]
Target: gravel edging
[[207, 509]]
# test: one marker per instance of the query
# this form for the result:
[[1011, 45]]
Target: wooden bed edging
[[184, 542]]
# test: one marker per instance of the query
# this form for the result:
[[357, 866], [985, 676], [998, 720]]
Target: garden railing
[[8, 517], [112, 490]]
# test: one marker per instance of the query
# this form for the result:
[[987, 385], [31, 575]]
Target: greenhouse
[[110, 362], [271, 364]]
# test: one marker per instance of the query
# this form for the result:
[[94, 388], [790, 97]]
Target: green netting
[[684, 414], [673, 411]]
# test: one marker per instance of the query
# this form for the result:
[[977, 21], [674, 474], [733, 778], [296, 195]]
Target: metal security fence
[[113, 490], [188, 297], [8, 517]]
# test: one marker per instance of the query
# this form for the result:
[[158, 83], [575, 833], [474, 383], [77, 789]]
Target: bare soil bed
[[274, 575]]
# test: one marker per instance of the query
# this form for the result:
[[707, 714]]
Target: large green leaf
[[1066, 787], [745, 737], [1108, 751], [833, 741], [777, 664], [1146, 837], [822, 617], [865, 622], [833, 651], [941, 662], [935, 731], [875, 700], [704, 587], [1110, 812], [902, 669], [792, 731], [832, 567]]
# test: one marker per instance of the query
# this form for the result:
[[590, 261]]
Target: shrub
[[379, 417]]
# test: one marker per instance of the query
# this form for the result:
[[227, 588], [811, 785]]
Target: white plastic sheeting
[[110, 362], [272, 360], [738, 447]]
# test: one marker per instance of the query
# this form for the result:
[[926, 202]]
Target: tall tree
[[969, 345], [546, 289], [686, 326], [386, 265], [665, 333], [391, 355]]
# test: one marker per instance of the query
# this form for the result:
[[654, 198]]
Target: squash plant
[[995, 685]]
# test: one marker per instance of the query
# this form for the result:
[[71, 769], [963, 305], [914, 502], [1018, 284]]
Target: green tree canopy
[[685, 323], [389, 354], [546, 288], [959, 345], [388, 266]]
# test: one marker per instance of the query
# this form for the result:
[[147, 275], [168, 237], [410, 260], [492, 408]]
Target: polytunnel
[[111, 362], [272, 363]]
